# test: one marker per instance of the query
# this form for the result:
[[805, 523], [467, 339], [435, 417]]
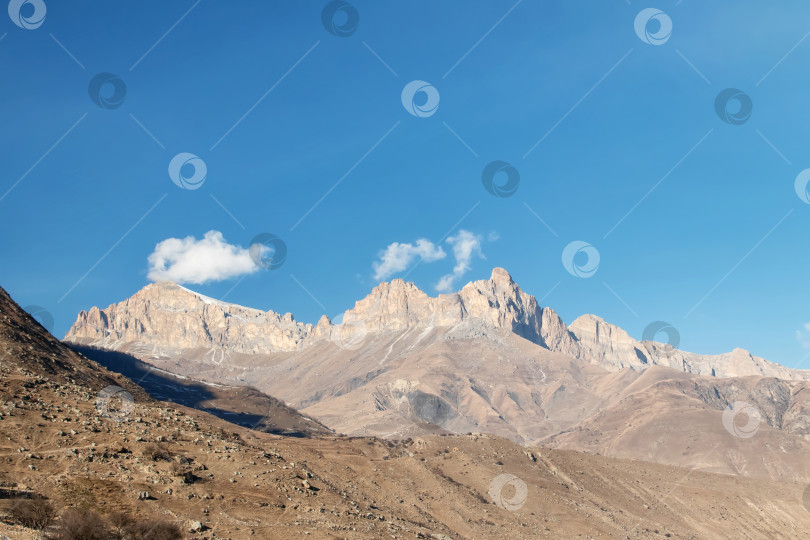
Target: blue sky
[[280, 110]]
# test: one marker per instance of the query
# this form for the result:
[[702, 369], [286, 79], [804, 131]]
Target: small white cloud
[[397, 257], [465, 245], [188, 260]]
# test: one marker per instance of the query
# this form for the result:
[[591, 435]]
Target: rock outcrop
[[497, 302], [612, 348], [168, 315]]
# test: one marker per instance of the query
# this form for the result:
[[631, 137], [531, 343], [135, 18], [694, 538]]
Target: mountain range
[[487, 359], [151, 317], [116, 453]]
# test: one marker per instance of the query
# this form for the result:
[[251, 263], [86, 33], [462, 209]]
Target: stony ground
[[217, 480], [244, 484]]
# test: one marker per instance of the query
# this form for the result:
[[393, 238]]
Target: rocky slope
[[238, 404], [171, 319], [164, 462]]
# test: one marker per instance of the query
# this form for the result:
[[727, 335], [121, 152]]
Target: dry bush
[[80, 524], [190, 478], [184, 472], [33, 513], [119, 522], [148, 530], [156, 452]]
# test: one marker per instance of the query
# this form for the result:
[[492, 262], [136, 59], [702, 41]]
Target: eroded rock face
[[497, 302], [168, 316], [165, 314], [607, 345], [612, 348]]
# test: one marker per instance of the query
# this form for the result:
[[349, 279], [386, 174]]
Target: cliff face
[[165, 314], [609, 346], [169, 316], [497, 302]]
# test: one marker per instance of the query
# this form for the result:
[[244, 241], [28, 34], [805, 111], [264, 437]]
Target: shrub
[[189, 477], [230, 436], [33, 513], [80, 524], [119, 521], [156, 452], [147, 530]]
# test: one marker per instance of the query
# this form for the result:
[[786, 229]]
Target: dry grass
[[81, 524], [157, 452], [35, 513]]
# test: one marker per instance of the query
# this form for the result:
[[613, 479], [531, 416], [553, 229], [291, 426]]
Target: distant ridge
[[166, 315]]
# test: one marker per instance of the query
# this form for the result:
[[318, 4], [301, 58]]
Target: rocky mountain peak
[[497, 302], [170, 316], [500, 275]]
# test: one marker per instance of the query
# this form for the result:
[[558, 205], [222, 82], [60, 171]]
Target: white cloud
[[465, 245], [397, 257], [189, 260]]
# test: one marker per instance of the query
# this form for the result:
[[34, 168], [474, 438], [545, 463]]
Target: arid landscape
[[450, 270], [589, 452]]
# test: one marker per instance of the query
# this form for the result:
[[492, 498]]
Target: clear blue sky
[[617, 114]]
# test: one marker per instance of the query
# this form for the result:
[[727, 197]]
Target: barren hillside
[[65, 439]]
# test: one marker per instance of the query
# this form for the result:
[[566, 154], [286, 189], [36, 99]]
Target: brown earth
[[57, 441]]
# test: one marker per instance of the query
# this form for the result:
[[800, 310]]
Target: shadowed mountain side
[[241, 405], [28, 347]]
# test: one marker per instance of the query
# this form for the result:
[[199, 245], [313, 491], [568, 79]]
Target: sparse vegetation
[[157, 452], [82, 524], [190, 478], [147, 530], [230, 436], [182, 468], [35, 513], [119, 521]]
